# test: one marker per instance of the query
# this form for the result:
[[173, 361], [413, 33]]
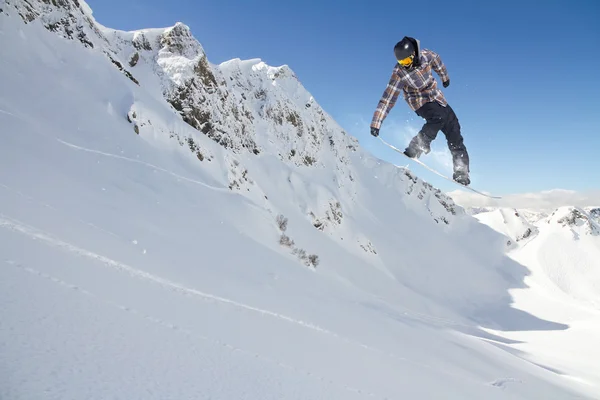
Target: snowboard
[[438, 173]]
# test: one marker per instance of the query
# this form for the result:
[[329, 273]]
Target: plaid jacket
[[418, 86]]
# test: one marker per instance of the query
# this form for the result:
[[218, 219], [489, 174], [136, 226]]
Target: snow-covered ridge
[[575, 218], [561, 247], [515, 224], [521, 226], [71, 19], [245, 106], [232, 103]]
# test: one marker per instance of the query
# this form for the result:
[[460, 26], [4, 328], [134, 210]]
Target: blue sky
[[525, 75]]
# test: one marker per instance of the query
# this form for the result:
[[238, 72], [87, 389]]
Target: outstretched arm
[[438, 66], [390, 95]]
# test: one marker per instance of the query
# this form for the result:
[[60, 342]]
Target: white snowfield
[[166, 263]]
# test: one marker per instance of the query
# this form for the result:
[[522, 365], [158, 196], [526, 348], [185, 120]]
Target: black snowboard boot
[[412, 153], [462, 177], [417, 146]]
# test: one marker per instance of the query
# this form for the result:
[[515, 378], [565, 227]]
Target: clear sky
[[525, 75]]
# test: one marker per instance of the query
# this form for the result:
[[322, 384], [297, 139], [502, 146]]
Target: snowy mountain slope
[[157, 265], [228, 102], [565, 245], [511, 223], [564, 260]]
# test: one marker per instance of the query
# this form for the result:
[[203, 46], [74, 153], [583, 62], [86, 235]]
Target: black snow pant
[[442, 118]]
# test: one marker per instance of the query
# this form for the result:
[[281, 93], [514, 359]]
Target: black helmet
[[404, 51]]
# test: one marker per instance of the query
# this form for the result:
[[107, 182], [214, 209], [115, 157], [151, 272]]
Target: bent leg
[[451, 129], [433, 113]]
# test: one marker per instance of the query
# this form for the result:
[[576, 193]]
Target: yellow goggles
[[406, 61]]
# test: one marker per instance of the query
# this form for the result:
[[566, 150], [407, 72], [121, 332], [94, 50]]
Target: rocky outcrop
[[71, 19], [594, 213], [575, 218], [64, 17]]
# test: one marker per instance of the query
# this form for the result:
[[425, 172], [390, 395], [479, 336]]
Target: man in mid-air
[[413, 76]]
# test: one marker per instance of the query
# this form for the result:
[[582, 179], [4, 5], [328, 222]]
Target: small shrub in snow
[[282, 222], [234, 184], [285, 240], [301, 253], [308, 260], [192, 144], [308, 160]]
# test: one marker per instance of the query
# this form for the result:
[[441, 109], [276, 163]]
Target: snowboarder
[[413, 76]]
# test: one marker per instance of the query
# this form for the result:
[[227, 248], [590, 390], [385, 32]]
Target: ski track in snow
[[187, 332], [406, 312], [133, 160], [128, 159], [36, 234], [7, 113]]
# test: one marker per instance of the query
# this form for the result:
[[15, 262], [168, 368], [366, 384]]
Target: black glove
[[446, 83], [375, 132]]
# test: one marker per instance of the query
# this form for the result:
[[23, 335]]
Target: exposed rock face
[[595, 214], [64, 17], [575, 218]]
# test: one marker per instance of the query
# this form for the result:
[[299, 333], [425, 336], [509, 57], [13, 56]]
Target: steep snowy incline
[[565, 246], [564, 285], [164, 264], [511, 223]]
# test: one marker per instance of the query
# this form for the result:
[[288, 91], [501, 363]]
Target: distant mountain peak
[[575, 218], [178, 40]]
